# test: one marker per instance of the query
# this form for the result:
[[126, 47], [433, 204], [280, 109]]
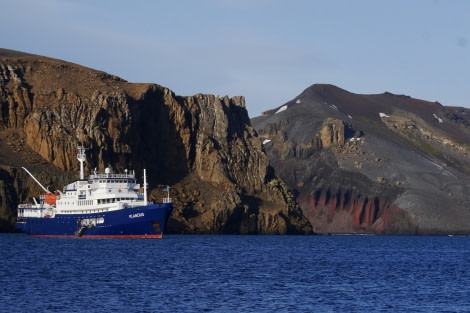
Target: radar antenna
[[81, 157]]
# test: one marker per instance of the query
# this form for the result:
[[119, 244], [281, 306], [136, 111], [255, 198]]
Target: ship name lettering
[[141, 214]]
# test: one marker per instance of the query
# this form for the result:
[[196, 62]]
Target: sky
[[268, 51]]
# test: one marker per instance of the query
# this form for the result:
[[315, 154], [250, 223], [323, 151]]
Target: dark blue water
[[236, 274]]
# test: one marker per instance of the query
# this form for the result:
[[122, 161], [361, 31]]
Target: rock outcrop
[[372, 163], [202, 146]]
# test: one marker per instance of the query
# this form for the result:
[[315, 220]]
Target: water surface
[[194, 273]]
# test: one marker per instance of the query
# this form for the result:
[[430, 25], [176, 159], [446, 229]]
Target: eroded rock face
[[202, 146], [372, 163], [348, 212], [332, 133]]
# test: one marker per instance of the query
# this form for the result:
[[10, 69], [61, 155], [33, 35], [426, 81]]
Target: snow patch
[[298, 101], [437, 118], [442, 169], [383, 115], [283, 108], [334, 107], [354, 139], [266, 141]]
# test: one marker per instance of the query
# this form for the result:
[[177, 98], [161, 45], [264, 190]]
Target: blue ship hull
[[139, 222]]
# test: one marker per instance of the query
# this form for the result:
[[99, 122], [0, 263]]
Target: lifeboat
[[50, 198]]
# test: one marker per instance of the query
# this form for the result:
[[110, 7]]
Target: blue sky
[[266, 50]]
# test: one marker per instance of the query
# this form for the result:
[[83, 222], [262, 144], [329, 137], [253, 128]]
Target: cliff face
[[372, 163], [202, 146]]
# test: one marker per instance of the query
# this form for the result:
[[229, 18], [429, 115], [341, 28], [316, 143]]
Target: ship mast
[[145, 188], [81, 157]]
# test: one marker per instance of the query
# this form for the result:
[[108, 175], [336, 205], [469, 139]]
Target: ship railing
[[25, 206], [31, 212], [167, 200], [130, 203], [112, 175]]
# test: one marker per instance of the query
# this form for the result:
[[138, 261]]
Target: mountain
[[380, 163], [202, 146]]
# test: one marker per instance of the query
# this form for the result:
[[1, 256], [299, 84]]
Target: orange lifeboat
[[50, 198]]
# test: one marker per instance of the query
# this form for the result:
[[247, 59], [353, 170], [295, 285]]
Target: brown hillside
[[202, 146]]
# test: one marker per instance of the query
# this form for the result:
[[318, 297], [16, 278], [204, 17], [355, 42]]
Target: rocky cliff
[[372, 163], [202, 146]]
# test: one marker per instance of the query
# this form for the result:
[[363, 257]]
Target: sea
[[225, 273]]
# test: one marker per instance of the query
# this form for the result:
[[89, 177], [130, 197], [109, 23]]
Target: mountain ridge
[[379, 163], [372, 163]]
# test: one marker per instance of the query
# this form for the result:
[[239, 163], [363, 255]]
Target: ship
[[106, 205]]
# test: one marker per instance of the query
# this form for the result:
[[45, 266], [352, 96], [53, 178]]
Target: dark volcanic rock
[[372, 163], [202, 146]]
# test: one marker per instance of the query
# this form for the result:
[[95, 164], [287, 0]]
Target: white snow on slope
[[283, 108], [437, 118], [354, 138], [383, 115], [266, 141]]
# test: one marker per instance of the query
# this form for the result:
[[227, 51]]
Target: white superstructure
[[102, 192]]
